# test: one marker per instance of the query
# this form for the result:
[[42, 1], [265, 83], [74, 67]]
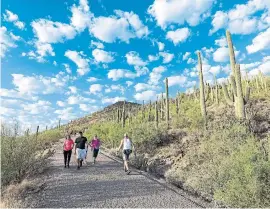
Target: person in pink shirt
[[95, 144], [67, 150]]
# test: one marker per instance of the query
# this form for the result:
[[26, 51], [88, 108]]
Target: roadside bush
[[23, 155], [229, 164]]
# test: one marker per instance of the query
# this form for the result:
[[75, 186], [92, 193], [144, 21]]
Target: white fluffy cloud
[[6, 41], [67, 68], [160, 46], [10, 93], [60, 103], [129, 83], [73, 89], [222, 54], [48, 31], [11, 17], [260, 42], [144, 86], [123, 26], [241, 19], [179, 12], [146, 95], [77, 57], [95, 88], [186, 55], [219, 21], [152, 58], [167, 57], [116, 74], [133, 58], [178, 36], [102, 56], [37, 108], [112, 100], [177, 80], [88, 108], [118, 88], [72, 100], [81, 16], [95, 44], [264, 68], [92, 79], [156, 75], [39, 84]]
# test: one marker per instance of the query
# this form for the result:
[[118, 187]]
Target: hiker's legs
[[65, 157], [78, 158], [95, 154], [69, 156], [126, 165]]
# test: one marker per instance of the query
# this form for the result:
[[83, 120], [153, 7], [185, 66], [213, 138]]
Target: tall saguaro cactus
[[231, 50], [124, 115], [162, 107], [59, 123], [167, 102], [150, 109], [202, 91], [37, 132], [238, 99], [156, 114]]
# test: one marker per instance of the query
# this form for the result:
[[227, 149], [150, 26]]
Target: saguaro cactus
[[167, 102], [156, 114], [150, 109], [124, 115], [37, 132], [59, 123], [202, 92], [238, 99], [216, 91], [177, 103]]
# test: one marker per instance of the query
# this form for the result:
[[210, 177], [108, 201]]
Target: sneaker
[[128, 172], [78, 168], [68, 166]]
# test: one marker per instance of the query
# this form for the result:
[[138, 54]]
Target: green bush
[[229, 164], [21, 154]]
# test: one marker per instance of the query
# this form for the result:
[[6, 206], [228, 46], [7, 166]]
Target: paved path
[[104, 185]]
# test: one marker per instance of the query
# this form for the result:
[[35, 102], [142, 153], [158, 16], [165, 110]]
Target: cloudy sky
[[66, 59]]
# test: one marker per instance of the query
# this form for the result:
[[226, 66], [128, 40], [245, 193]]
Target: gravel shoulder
[[106, 185]]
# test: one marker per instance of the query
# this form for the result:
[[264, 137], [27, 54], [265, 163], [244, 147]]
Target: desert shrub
[[229, 164], [21, 155]]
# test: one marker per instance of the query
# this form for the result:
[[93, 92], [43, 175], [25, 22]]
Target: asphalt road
[[104, 185]]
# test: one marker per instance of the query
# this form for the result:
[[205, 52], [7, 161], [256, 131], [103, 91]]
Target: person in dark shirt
[[80, 142]]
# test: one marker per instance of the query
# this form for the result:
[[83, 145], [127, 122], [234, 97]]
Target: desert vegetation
[[213, 142]]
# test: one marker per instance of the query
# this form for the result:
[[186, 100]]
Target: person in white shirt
[[127, 145]]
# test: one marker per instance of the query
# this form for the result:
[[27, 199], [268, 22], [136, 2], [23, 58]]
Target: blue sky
[[66, 59]]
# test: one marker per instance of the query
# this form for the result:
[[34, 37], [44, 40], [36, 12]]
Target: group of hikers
[[80, 146]]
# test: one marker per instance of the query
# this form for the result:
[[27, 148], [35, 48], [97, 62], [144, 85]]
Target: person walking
[[95, 144], [127, 145], [80, 142], [67, 150]]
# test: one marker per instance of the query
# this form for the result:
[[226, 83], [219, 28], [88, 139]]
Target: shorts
[[95, 152], [126, 153], [81, 153]]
